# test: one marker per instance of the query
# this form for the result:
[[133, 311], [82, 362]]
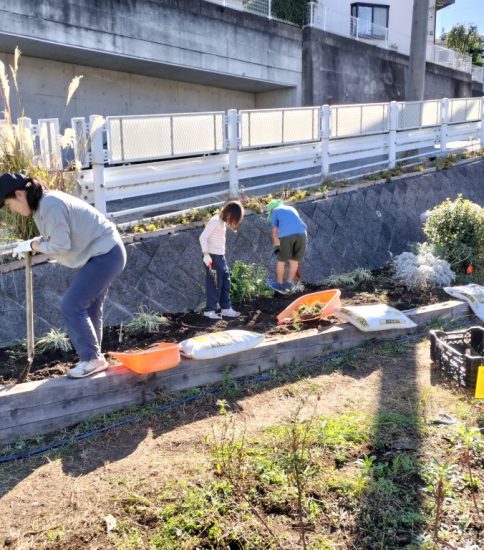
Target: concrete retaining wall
[[337, 69], [149, 56], [360, 227]]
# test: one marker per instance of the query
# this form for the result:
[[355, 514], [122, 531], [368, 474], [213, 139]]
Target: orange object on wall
[[330, 299], [470, 269], [158, 357]]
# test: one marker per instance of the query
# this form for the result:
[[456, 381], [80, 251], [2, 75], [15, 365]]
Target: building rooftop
[[439, 4]]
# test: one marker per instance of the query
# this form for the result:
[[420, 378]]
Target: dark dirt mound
[[258, 315]]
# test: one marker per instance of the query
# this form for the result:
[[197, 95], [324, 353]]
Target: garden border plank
[[36, 408]]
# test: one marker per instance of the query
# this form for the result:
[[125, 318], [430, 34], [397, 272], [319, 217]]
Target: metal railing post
[[233, 147], [97, 160], [392, 135], [444, 121], [270, 9], [482, 122], [325, 137], [310, 11]]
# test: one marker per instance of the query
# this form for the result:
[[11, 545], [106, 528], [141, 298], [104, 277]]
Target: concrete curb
[[36, 408]]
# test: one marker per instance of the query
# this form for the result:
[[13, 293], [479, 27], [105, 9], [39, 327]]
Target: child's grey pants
[[82, 304]]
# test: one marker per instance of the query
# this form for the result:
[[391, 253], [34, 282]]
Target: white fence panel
[[417, 114], [464, 110], [269, 161], [372, 144], [417, 139], [272, 127], [463, 136], [50, 149], [81, 142], [149, 137], [354, 120]]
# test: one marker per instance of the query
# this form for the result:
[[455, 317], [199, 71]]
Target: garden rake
[[29, 309]]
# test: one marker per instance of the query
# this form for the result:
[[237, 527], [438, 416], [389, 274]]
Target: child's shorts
[[292, 247]]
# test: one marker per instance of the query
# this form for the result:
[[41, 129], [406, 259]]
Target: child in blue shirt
[[290, 239]]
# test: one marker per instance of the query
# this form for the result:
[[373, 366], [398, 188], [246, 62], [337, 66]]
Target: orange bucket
[[158, 357], [329, 299]]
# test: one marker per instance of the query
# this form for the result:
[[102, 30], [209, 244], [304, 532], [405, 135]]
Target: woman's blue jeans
[[82, 304]]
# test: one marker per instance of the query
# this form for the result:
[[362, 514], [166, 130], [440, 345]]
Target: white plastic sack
[[472, 294], [374, 318], [218, 344]]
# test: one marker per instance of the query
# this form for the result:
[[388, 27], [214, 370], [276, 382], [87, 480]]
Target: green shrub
[[248, 281], [294, 11], [456, 229]]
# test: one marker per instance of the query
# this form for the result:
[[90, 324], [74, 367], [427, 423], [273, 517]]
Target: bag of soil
[[218, 344]]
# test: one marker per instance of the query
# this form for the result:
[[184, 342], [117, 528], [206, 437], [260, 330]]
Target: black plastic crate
[[459, 353]]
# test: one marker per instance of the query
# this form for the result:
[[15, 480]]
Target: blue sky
[[462, 11]]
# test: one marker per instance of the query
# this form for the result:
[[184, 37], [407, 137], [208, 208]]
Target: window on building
[[369, 20]]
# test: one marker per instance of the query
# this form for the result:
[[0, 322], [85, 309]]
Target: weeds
[[231, 463], [440, 478], [230, 388], [353, 279], [469, 438], [335, 481], [54, 340], [307, 312], [147, 321], [248, 281], [299, 462]]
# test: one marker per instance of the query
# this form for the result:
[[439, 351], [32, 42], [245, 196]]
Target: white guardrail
[[135, 166], [252, 150]]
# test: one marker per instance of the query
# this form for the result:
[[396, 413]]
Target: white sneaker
[[212, 315], [230, 313], [297, 286], [87, 368]]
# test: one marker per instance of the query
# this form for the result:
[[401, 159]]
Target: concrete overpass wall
[[43, 85], [146, 55]]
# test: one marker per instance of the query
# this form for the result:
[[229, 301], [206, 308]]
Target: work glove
[[25, 246], [207, 260], [277, 249]]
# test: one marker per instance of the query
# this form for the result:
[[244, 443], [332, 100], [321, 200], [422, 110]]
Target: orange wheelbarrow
[[311, 307]]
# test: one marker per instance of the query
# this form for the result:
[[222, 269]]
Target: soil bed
[[258, 315]]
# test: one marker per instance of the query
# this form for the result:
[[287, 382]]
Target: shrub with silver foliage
[[422, 270]]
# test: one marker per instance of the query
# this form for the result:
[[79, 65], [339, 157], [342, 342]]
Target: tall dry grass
[[17, 152]]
